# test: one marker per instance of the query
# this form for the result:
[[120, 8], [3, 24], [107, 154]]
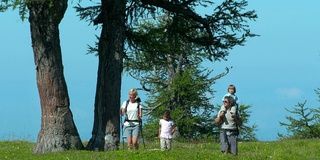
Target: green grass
[[289, 149]]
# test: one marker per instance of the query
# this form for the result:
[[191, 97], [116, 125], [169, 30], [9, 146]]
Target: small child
[[231, 92], [166, 129]]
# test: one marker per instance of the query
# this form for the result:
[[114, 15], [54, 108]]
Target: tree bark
[[106, 127], [58, 131]]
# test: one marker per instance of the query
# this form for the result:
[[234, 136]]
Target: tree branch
[[185, 11], [151, 109], [212, 80]]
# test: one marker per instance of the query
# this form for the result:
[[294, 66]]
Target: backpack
[[138, 106], [239, 117]]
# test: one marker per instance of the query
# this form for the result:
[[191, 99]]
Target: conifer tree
[[212, 35], [307, 123]]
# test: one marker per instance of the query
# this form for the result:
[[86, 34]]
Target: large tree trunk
[[58, 131], [106, 127]]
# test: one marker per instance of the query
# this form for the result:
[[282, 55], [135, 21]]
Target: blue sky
[[271, 72]]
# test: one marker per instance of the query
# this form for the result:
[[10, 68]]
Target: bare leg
[[135, 142], [129, 139]]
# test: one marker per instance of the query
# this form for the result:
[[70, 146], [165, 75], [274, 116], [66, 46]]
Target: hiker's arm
[[140, 113], [122, 111], [173, 129], [219, 118]]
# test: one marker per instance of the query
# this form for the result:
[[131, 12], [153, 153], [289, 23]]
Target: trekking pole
[[144, 145], [122, 131]]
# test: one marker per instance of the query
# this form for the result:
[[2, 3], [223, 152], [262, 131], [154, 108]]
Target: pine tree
[[306, 125]]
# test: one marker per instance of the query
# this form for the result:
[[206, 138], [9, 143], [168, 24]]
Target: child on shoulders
[[231, 92]]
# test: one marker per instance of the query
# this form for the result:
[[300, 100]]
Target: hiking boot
[[130, 147], [136, 147]]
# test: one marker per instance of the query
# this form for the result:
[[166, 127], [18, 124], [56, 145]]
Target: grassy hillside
[[290, 149]]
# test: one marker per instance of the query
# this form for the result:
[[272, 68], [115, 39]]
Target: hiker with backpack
[[229, 127], [132, 110]]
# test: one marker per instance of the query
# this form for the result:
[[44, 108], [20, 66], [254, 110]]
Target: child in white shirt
[[166, 129]]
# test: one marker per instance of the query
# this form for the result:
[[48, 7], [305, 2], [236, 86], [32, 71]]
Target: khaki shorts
[[165, 143]]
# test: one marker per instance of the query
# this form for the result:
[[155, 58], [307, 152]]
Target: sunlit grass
[[289, 149]]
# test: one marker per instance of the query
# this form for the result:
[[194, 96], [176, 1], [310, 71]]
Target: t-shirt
[[166, 128], [228, 122], [236, 100], [132, 112]]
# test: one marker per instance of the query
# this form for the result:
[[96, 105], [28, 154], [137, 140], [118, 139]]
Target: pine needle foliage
[[305, 124]]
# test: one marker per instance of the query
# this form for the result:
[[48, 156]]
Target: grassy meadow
[[288, 149]]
